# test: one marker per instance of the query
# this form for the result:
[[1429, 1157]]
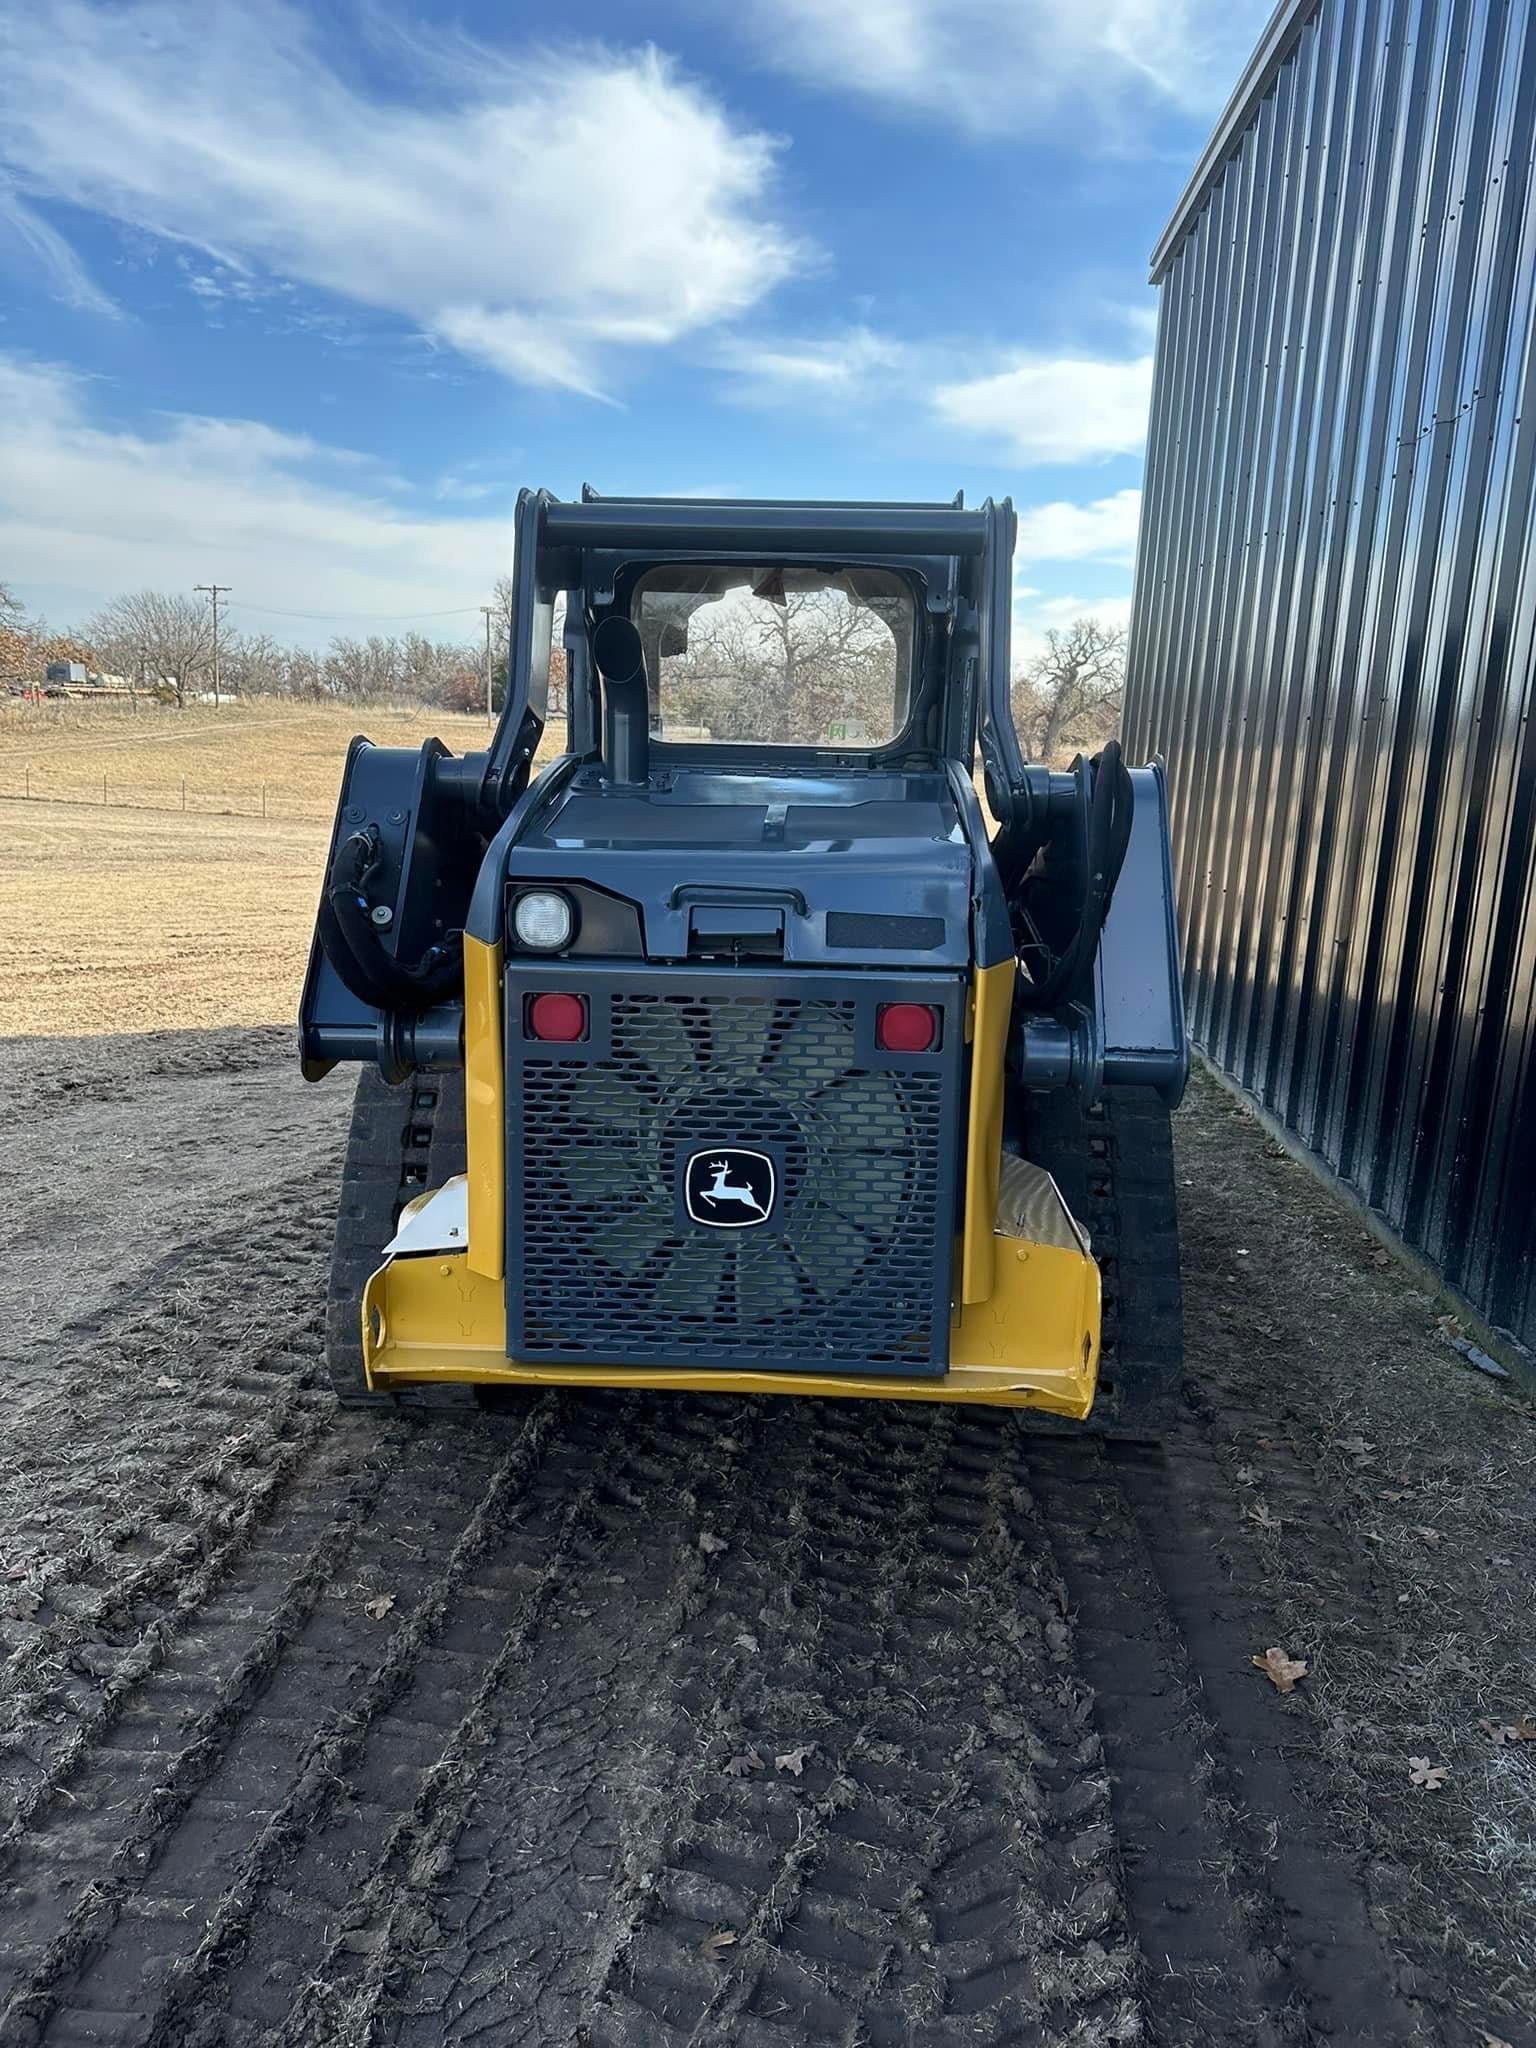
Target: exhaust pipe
[[619, 659]]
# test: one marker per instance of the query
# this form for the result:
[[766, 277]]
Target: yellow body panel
[[484, 1108], [1025, 1333], [984, 1134], [1033, 1344]]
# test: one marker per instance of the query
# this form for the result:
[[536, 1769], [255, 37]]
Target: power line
[[214, 590], [375, 618], [490, 613]]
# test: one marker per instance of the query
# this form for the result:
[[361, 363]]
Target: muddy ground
[[663, 1721]]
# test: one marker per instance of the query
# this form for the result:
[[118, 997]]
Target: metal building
[[1332, 637]]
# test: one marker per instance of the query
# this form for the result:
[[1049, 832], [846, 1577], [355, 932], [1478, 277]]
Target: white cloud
[[535, 214], [1035, 408], [1055, 408], [1104, 530], [1061, 611], [853, 363], [87, 511], [1036, 617], [1013, 66], [43, 246]]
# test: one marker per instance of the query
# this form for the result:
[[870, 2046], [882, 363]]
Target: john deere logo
[[727, 1188]]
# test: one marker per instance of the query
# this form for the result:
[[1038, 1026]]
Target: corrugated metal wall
[[1335, 607]]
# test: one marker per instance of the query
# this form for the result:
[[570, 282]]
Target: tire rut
[[157, 1516], [934, 1869], [1251, 1923]]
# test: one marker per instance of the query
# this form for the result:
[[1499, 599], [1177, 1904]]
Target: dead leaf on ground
[[744, 1764], [1492, 2040], [1427, 1776], [164, 1384], [1245, 1475], [1523, 1730], [1355, 1447], [712, 1545], [379, 1606], [717, 1944], [1262, 1518], [749, 1643], [795, 1760], [1429, 1535], [1280, 1668]]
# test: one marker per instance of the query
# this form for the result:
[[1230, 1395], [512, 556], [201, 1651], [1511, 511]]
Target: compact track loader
[[737, 1048]]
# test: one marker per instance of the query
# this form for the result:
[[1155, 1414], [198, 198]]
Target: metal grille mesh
[[844, 1278]]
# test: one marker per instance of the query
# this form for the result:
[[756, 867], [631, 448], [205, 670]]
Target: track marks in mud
[[1249, 1918], [159, 1490], [931, 1871], [541, 1798]]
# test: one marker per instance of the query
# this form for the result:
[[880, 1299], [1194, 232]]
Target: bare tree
[[171, 637], [784, 671], [254, 664], [16, 643], [1069, 697]]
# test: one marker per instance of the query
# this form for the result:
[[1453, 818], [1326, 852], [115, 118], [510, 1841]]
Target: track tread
[[404, 1138], [1113, 1162]]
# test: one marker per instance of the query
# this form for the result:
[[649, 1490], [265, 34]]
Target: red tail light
[[561, 1019], [906, 1027]]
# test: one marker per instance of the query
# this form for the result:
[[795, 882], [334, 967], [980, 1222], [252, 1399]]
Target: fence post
[[29, 778]]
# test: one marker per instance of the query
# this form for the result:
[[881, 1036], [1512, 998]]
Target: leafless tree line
[[163, 642], [808, 667], [795, 671], [784, 673]]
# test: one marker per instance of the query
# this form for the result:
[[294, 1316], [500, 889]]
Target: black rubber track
[[1114, 1165], [404, 1138]]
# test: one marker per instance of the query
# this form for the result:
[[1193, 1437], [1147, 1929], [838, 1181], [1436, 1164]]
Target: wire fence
[[186, 794]]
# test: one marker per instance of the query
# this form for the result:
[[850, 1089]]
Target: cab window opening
[[779, 655]]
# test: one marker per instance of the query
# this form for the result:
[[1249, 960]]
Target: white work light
[[543, 920]]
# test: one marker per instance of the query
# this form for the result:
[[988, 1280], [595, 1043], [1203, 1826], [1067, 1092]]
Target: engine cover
[[726, 1169]]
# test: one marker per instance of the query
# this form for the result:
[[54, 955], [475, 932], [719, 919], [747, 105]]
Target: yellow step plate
[[1034, 1343]]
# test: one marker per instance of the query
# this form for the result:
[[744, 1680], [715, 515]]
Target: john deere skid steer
[[738, 1048]]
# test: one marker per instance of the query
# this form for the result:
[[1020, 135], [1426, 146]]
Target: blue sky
[[297, 296]]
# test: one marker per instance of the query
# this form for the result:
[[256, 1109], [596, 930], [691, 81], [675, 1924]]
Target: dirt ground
[[132, 915], [223, 759], [648, 1720]]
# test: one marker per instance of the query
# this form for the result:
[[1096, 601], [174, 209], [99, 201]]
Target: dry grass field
[[132, 915], [223, 759]]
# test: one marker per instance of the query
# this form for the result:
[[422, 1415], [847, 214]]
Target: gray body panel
[[864, 847]]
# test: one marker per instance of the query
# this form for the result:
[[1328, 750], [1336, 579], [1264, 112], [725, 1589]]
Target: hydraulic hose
[[353, 945]]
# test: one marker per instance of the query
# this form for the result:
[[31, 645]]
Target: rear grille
[[851, 1270]]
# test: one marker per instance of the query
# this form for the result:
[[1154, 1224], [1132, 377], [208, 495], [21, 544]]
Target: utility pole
[[490, 613], [213, 590]]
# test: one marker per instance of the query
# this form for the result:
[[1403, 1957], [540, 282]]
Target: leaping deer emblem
[[722, 1190]]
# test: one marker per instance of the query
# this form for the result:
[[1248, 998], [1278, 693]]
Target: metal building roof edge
[[1280, 37]]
